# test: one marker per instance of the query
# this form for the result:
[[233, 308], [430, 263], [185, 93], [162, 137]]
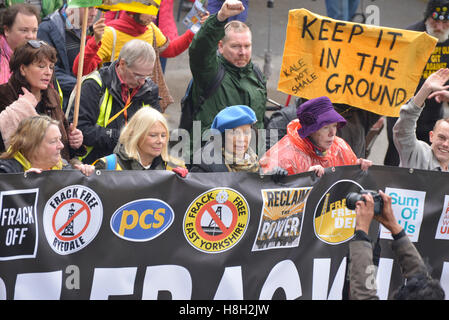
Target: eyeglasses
[[137, 76], [37, 43]]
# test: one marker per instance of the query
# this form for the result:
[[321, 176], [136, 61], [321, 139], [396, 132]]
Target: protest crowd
[[119, 123]]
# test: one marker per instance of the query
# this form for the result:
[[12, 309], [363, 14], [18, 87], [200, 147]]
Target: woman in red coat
[[311, 143]]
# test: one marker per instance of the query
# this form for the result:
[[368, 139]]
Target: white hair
[[137, 50]]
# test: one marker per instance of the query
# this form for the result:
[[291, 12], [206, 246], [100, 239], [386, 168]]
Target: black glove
[[277, 173]]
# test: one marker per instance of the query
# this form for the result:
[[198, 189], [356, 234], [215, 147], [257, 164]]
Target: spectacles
[[37, 43], [138, 76]]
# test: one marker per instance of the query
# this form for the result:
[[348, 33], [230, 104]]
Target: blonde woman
[[143, 145], [36, 146]]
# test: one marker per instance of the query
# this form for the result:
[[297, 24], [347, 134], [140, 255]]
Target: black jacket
[[10, 166], [103, 140]]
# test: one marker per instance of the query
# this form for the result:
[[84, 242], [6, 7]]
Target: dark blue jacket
[[52, 31]]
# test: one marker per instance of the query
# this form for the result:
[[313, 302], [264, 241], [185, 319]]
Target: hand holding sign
[[368, 67]]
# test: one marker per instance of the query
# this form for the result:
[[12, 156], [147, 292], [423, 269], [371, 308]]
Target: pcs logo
[[142, 220]]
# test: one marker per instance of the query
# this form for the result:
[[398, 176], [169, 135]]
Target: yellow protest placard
[[141, 6], [369, 67]]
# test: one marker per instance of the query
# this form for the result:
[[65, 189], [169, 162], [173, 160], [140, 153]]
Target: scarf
[[249, 163], [5, 55], [27, 165], [318, 151], [128, 25]]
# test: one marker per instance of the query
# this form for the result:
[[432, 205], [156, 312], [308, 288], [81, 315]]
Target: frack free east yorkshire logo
[[216, 220], [72, 218]]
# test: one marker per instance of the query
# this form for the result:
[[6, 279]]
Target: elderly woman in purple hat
[[311, 143]]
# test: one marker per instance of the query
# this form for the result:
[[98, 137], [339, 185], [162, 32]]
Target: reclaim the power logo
[[216, 220], [72, 218]]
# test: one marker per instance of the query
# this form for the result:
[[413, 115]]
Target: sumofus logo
[[216, 220]]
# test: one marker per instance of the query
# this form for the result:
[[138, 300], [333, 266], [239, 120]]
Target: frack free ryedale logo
[[72, 218]]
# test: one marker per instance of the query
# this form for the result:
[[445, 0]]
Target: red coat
[[295, 155]]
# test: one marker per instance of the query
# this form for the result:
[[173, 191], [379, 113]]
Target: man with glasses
[[111, 96]]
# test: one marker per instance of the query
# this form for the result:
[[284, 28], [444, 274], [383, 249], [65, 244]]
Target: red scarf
[[126, 24]]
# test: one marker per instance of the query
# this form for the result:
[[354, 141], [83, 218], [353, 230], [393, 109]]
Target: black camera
[[353, 197]]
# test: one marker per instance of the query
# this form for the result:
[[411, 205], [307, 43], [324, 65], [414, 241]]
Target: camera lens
[[352, 198]]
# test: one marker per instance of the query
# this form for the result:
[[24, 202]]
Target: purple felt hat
[[315, 114]]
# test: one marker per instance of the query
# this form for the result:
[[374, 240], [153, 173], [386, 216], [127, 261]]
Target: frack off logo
[[216, 220], [18, 224], [72, 218], [281, 219], [334, 223]]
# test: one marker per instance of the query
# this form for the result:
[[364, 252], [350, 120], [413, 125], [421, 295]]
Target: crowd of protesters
[[121, 123]]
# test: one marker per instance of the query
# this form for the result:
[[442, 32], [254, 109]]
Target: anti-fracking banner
[[223, 236], [366, 66]]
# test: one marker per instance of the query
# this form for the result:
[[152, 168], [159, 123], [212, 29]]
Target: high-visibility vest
[[105, 105]]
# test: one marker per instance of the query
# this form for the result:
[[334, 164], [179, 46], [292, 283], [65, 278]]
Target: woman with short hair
[[19, 23]]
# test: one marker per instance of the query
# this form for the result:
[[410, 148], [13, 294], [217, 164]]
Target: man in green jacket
[[241, 84]]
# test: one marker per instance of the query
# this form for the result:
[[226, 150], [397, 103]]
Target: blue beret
[[233, 117]]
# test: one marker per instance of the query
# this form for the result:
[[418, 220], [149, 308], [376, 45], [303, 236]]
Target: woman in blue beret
[[230, 150]]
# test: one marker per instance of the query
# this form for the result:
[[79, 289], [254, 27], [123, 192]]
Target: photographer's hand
[[364, 213], [387, 217]]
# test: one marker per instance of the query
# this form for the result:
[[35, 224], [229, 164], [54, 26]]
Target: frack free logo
[[216, 220], [72, 218]]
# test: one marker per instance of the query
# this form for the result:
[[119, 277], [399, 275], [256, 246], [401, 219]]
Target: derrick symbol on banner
[[68, 230]]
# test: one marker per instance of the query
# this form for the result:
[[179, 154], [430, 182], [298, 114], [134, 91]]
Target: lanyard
[[125, 114]]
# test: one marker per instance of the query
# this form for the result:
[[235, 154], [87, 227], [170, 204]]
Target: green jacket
[[239, 85]]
